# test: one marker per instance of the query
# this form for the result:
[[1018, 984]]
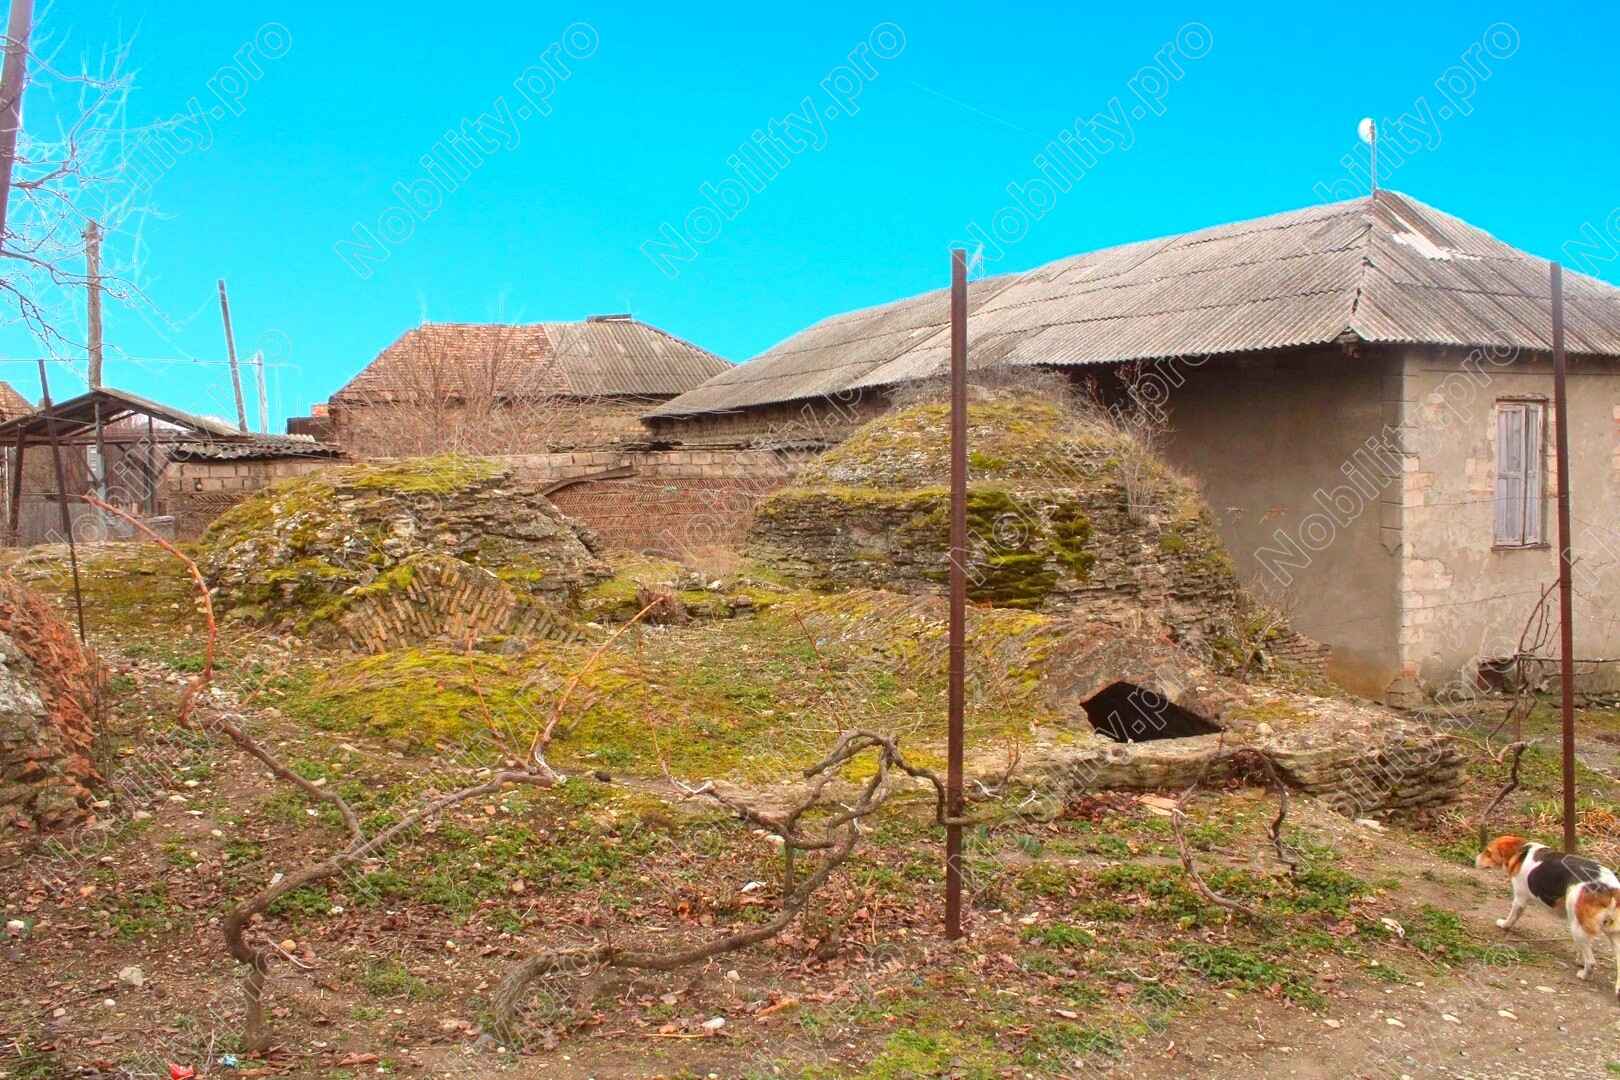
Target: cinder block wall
[[196, 492]]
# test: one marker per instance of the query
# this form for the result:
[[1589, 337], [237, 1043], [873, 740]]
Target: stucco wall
[[1462, 600], [1288, 452]]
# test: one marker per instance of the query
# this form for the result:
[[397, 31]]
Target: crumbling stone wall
[[51, 691]]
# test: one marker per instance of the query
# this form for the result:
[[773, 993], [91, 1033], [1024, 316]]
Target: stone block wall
[[1464, 600], [196, 492]]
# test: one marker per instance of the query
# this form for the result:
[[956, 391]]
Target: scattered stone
[[132, 976]]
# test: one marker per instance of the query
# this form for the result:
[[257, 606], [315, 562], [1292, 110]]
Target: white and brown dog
[[1588, 891]]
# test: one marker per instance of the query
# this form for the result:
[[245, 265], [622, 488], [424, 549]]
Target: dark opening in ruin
[[1129, 713]]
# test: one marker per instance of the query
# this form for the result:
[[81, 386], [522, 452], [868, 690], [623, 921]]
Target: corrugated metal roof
[[1386, 269], [260, 447], [597, 357], [110, 405]]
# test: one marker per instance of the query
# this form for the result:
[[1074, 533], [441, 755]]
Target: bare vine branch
[[1512, 785], [835, 839]]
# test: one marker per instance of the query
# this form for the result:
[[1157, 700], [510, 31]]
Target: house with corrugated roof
[[500, 388], [1362, 390]]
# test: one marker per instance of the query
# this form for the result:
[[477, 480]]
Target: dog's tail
[[1606, 899]]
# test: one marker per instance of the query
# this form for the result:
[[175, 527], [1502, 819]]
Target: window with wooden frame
[[1521, 470]]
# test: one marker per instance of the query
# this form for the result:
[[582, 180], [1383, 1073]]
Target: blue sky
[[601, 124]]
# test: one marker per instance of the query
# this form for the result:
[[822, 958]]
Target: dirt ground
[[1089, 951]]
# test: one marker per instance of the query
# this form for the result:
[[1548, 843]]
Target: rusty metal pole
[[958, 649], [1566, 587], [62, 493]]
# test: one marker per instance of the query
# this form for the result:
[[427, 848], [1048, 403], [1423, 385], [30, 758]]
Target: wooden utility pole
[[1566, 559], [958, 629], [264, 397], [230, 349], [92, 276], [13, 80]]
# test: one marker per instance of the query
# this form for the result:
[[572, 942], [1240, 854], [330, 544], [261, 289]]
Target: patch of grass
[[1232, 966], [177, 853], [34, 1064], [910, 1054], [1443, 936], [1059, 936], [307, 902], [142, 913], [392, 979], [1061, 1044]]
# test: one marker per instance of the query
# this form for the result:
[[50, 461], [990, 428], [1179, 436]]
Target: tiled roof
[[12, 404], [1383, 269], [598, 357]]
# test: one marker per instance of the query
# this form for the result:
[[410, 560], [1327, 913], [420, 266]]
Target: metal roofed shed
[[123, 446]]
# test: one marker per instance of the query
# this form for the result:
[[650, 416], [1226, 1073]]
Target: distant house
[[1361, 390], [12, 404], [493, 388]]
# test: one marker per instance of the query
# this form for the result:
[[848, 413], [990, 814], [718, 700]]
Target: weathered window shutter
[[1521, 470], [1534, 475], [1510, 474]]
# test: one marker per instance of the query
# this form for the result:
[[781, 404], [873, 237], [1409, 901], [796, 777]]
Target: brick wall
[[552, 424], [679, 502]]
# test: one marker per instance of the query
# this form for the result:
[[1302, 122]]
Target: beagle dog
[[1588, 891], [1594, 912]]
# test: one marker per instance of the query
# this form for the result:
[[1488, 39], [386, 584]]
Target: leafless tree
[[69, 169]]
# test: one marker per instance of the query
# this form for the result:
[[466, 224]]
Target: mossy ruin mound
[[376, 556], [1064, 509]]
